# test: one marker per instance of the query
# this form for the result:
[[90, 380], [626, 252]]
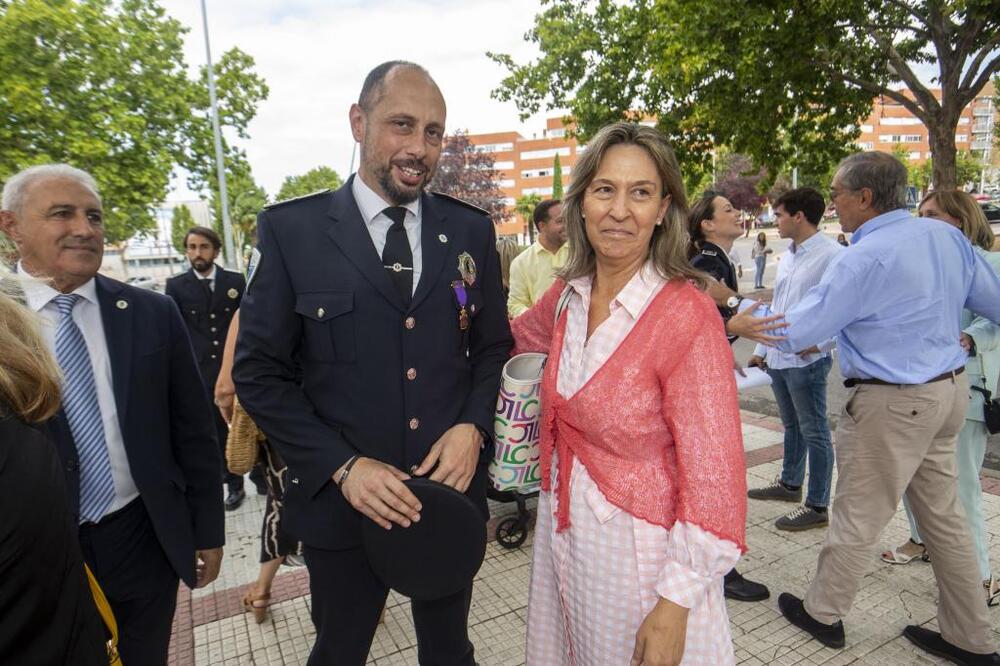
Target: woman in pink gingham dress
[[643, 502]]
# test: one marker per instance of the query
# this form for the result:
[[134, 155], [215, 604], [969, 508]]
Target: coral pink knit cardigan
[[658, 425]]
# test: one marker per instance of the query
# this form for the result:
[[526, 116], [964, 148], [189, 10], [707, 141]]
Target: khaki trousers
[[892, 439]]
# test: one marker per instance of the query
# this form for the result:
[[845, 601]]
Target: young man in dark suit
[[208, 297], [137, 444], [388, 300]]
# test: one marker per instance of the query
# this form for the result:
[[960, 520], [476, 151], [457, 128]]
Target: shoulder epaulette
[[293, 199], [460, 202]]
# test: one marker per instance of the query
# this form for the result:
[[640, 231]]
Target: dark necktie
[[206, 285], [397, 256]]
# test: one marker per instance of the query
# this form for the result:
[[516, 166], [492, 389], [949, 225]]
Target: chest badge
[[467, 268], [232, 293]]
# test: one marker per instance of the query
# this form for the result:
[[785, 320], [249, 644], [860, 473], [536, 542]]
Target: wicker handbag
[[243, 442]]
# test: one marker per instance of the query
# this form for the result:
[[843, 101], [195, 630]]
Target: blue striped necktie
[[79, 401]]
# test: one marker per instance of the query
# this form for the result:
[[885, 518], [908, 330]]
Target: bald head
[[373, 89]]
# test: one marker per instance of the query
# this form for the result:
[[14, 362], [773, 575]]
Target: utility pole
[[220, 164]]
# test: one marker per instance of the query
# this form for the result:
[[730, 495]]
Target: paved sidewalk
[[211, 629]]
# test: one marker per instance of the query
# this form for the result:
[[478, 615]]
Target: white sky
[[314, 55]]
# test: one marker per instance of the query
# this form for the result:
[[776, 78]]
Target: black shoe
[[830, 635], [739, 588], [931, 641], [261, 488], [234, 499]]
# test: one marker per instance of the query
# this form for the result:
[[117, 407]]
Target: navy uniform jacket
[[207, 322], [713, 260], [166, 422], [377, 378]]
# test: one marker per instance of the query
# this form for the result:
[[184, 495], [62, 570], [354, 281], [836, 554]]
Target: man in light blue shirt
[[894, 302], [799, 380]]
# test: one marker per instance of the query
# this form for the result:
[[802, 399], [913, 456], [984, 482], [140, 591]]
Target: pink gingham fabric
[[593, 584]]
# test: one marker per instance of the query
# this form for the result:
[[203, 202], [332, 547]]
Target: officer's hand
[[456, 455], [758, 329], [756, 362], [377, 490]]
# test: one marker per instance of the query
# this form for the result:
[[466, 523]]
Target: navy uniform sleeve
[[193, 437], [490, 344], [266, 376], [714, 266]]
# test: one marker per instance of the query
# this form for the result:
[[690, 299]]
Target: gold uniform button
[[320, 313], [215, 342], [411, 374], [213, 356], [211, 316], [414, 424], [410, 322], [213, 329]]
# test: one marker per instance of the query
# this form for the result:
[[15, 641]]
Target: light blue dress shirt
[[894, 300], [799, 269]]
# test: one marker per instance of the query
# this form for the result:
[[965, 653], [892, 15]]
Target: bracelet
[[347, 470]]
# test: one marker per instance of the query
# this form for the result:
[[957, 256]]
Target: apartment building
[[891, 124]]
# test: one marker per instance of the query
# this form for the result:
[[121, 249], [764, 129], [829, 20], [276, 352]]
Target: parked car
[[142, 282], [991, 211]]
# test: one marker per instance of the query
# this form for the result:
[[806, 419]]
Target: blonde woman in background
[[48, 612], [981, 338]]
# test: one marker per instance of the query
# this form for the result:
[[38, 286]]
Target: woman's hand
[[661, 636], [225, 394], [758, 329]]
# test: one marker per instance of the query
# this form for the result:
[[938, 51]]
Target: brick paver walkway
[[211, 629]]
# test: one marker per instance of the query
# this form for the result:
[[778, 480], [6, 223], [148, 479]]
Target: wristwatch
[[733, 302]]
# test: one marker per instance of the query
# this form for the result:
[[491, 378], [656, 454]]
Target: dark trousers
[[123, 552], [347, 599]]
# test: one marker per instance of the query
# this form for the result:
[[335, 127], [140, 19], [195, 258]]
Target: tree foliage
[[525, 207], [245, 198], [317, 178], [180, 222], [468, 174], [784, 81], [103, 85], [557, 184]]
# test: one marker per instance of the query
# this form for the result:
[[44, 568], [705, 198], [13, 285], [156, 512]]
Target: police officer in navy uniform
[[713, 226], [208, 296], [389, 299]]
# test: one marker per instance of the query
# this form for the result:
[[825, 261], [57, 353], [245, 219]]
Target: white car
[[142, 282]]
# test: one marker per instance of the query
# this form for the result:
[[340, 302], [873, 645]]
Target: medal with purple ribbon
[[462, 298]]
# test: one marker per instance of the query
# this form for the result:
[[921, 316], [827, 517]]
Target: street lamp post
[[220, 165]]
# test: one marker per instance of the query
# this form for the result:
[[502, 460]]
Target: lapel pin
[[122, 304], [443, 238], [232, 293]]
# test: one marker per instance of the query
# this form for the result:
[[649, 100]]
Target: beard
[[201, 265]]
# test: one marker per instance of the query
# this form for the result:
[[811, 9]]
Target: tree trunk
[[942, 140]]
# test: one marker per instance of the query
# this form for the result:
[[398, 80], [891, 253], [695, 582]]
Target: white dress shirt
[[371, 206], [210, 277], [799, 270], [87, 315]]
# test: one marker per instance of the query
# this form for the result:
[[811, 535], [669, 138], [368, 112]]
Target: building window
[[906, 120], [494, 147], [865, 145], [541, 191], [961, 137], [503, 165], [912, 138], [507, 182], [509, 201], [915, 155], [557, 133], [536, 173], [889, 138], [547, 152], [867, 129]]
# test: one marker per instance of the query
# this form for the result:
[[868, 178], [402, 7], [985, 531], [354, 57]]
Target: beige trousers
[[892, 439]]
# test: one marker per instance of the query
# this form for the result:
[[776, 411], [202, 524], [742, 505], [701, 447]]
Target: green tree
[[246, 200], [557, 186], [181, 221], [525, 207], [103, 85], [317, 178], [784, 82]]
